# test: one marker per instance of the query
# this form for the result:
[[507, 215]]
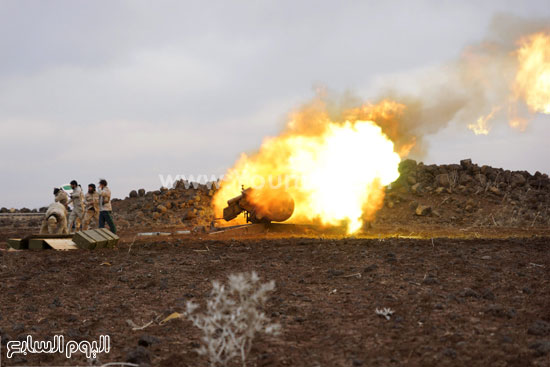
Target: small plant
[[385, 312], [233, 317]]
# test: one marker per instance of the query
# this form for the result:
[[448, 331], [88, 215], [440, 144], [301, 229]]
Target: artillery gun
[[260, 205]]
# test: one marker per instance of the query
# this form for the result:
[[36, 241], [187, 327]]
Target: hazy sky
[[128, 90]]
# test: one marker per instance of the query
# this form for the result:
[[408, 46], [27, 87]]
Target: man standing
[[91, 203], [56, 216], [77, 199], [61, 197], [105, 209]]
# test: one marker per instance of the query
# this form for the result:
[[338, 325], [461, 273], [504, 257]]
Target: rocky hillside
[[467, 195], [463, 195], [185, 205]]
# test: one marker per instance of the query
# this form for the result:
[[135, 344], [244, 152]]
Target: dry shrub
[[233, 317]]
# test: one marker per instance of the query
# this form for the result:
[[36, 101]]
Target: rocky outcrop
[[187, 204], [469, 194]]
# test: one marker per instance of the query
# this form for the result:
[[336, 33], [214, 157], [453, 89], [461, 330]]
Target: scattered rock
[[140, 356], [55, 303], [141, 192], [133, 194], [370, 268], [495, 190], [391, 258], [506, 339], [517, 180], [481, 179], [500, 311], [335, 273], [488, 295], [430, 279], [539, 328], [450, 352], [422, 210], [189, 214], [468, 292], [465, 179], [466, 164], [148, 340], [541, 347], [443, 180]]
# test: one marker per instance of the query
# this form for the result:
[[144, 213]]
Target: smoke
[[477, 86], [333, 136]]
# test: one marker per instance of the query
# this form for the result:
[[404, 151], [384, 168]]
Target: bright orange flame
[[335, 171], [387, 115], [481, 127], [532, 82]]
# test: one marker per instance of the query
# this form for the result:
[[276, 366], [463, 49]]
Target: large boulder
[[465, 179], [517, 180], [407, 165], [443, 180], [466, 164], [133, 194], [411, 179]]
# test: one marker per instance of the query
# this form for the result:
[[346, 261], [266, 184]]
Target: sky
[[130, 90]]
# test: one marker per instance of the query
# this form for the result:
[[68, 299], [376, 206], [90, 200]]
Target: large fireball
[[335, 171], [532, 83]]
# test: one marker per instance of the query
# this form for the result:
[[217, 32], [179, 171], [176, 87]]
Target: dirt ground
[[457, 301]]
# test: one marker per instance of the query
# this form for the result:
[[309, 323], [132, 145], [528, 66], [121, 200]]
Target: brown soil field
[[473, 299], [460, 252]]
